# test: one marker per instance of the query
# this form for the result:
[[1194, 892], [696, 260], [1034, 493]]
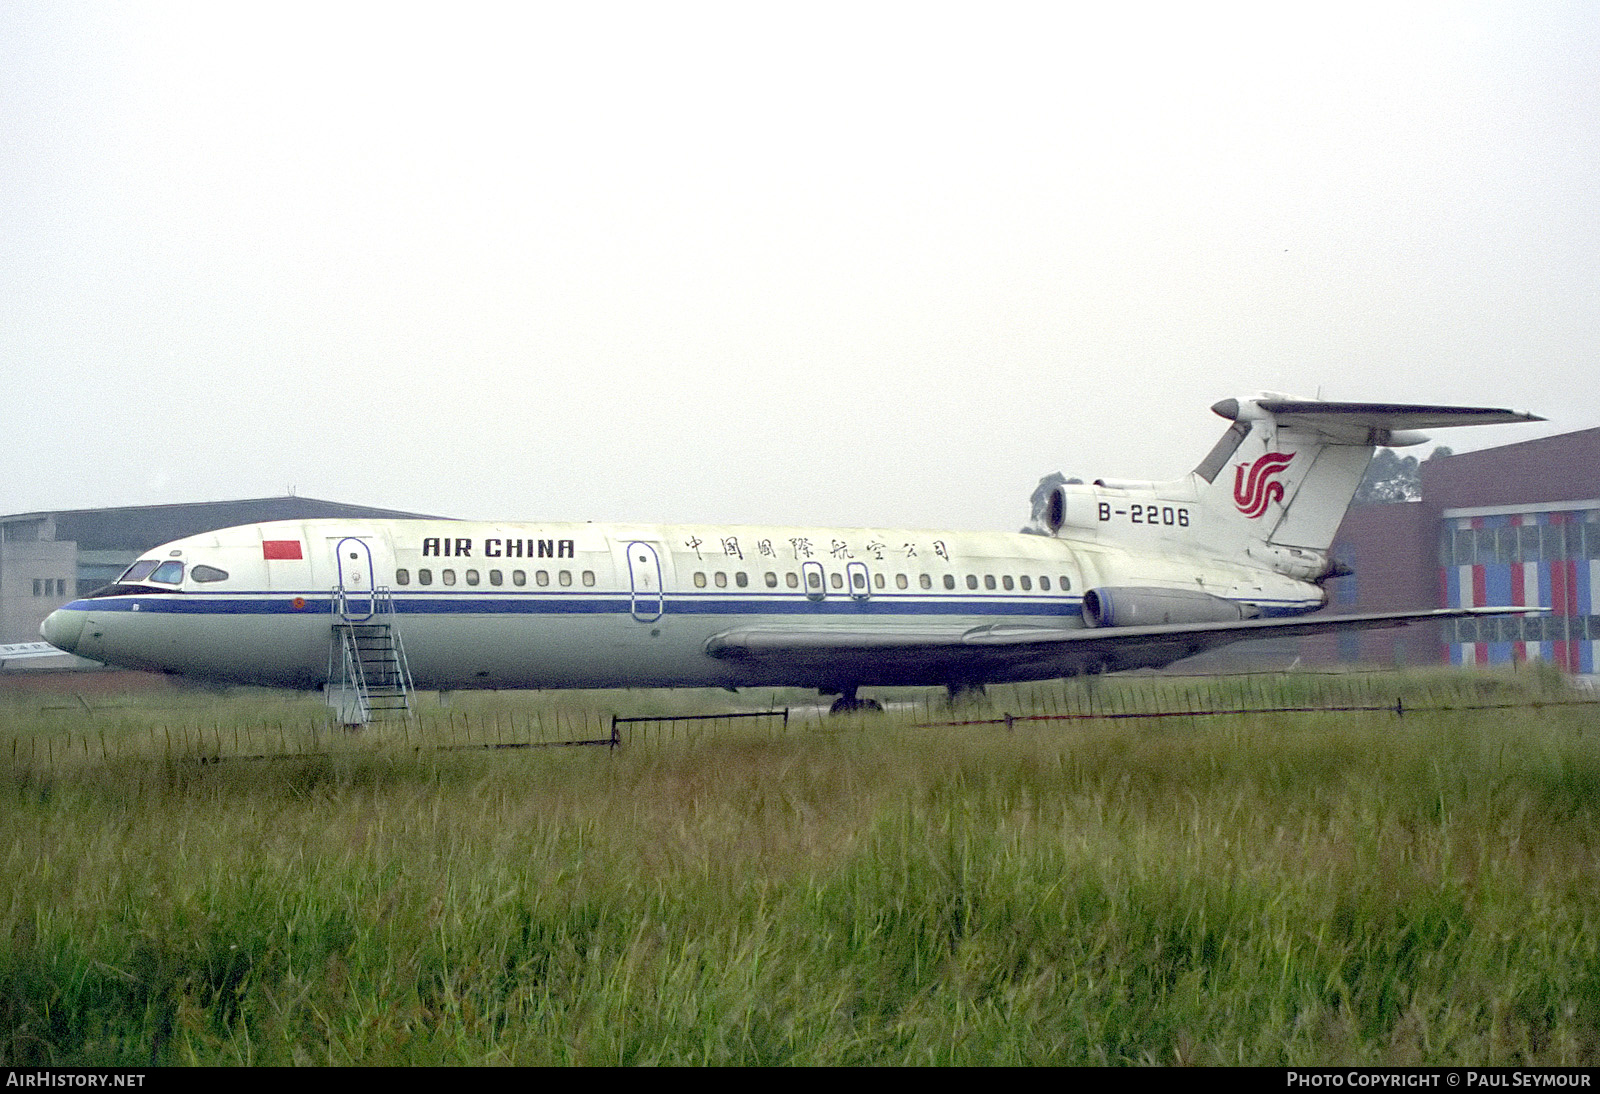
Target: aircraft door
[[644, 582], [355, 576]]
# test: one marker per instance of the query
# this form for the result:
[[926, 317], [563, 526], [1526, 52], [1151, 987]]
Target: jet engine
[[1133, 606]]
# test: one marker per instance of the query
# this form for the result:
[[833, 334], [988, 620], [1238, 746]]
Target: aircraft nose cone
[[61, 629]]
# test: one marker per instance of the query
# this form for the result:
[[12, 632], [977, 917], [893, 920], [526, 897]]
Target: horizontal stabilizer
[[1356, 422]]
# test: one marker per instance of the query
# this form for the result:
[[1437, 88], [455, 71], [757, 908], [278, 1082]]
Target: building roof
[[1548, 469], [140, 527]]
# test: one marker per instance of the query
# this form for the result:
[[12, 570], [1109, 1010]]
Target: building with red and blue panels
[[1516, 525], [1529, 555]]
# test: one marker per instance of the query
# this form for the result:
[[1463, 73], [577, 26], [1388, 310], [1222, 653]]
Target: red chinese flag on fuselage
[[281, 548]]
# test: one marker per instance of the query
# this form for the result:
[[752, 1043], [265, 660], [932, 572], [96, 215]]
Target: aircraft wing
[[1000, 651], [17, 651]]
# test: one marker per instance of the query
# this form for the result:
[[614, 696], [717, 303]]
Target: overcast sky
[[880, 264]]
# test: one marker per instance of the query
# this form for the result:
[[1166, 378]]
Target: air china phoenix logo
[[1254, 491]]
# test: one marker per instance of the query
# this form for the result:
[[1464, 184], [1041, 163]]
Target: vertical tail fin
[[1281, 478]]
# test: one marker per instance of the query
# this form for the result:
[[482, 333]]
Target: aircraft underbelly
[[617, 651]]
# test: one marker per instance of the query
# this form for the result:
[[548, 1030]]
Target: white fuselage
[[482, 605]]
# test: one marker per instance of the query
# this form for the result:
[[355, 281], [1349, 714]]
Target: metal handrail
[[351, 674], [383, 605]]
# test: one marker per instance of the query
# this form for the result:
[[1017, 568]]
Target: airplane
[[25, 651], [1112, 575]]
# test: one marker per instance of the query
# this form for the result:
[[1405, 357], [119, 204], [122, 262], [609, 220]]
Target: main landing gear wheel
[[848, 703], [957, 694]]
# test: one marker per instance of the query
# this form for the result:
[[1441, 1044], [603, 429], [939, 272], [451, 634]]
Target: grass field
[[222, 880]]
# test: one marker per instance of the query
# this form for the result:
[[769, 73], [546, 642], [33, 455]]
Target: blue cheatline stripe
[[556, 604], [610, 604]]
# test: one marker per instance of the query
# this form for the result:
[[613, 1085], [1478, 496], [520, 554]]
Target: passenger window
[[838, 580], [772, 580], [900, 581], [972, 581], [1006, 581], [449, 577], [565, 577], [207, 573], [699, 581], [949, 581], [988, 581], [402, 577], [169, 572], [496, 577], [1027, 583], [741, 579], [519, 577], [424, 577], [721, 579], [791, 579], [472, 577], [1044, 583], [859, 580], [1066, 583], [814, 580], [877, 579], [925, 581], [541, 577], [588, 577]]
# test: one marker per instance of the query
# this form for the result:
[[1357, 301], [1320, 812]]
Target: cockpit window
[[169, 572], [203, 572], [138, 571]]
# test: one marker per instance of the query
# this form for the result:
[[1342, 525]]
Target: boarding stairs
[[367, 672]]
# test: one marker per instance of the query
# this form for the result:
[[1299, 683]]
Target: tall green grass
[[1278, 889]]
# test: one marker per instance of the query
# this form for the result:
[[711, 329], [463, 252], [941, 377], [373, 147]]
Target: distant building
[[1514, 525], [47, 559]]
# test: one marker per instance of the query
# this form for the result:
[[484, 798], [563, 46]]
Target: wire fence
[[242, 734]]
